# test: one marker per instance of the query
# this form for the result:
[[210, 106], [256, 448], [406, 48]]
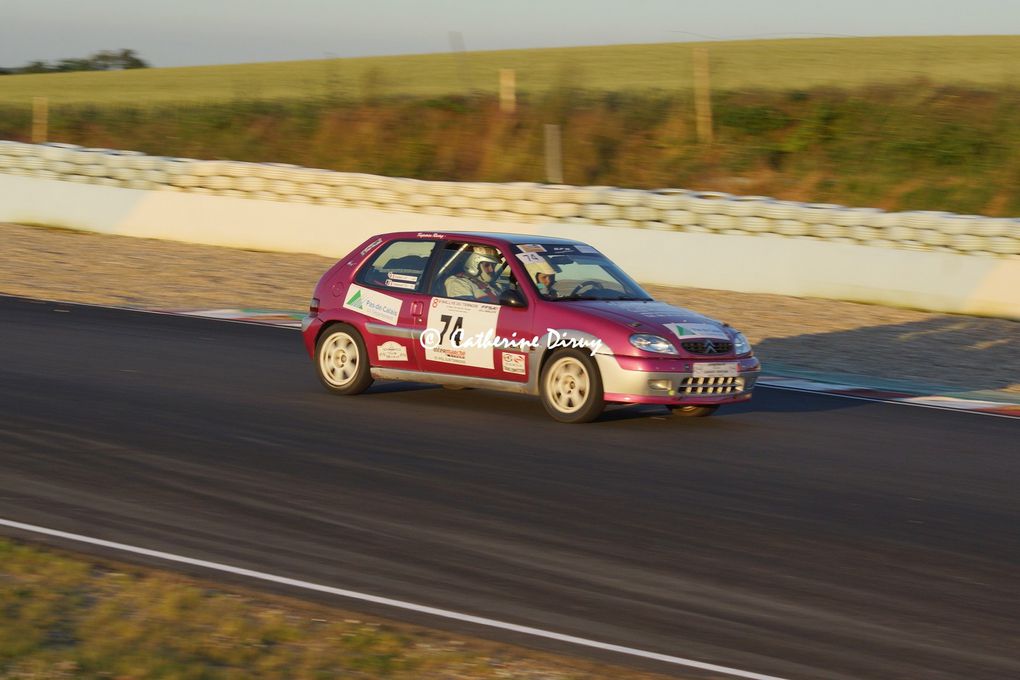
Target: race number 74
[[456, 332]]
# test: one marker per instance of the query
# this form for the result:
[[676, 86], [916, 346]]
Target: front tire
[[571, 387], [693, 411], [342, 360]]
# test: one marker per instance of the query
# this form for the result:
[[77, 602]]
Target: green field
[[764, 64]]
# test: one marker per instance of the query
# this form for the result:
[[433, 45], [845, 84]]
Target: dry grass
[[66, 616]]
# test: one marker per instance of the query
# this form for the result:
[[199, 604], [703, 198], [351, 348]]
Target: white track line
[[444, 613], [880, 400]]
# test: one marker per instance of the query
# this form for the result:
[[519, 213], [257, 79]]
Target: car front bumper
[[641, 380]]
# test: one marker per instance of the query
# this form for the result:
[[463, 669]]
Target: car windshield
[[576, 272]]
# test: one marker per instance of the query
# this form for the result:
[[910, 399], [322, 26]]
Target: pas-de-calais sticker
[[373, 303]]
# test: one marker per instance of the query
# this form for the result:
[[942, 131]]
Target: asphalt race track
[[800, 535]]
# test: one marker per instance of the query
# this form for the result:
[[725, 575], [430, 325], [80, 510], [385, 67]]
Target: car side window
[[483, 278], [399, 266]]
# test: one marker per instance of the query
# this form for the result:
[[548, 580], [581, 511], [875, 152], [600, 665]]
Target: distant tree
[[104, 60], [65, 65], [35, 67], [109, 60], [130, 59]]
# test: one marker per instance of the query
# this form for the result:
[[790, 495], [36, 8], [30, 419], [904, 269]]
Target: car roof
[[513, 239]]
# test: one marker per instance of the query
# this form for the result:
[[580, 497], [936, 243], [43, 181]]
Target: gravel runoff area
[[854, 343]]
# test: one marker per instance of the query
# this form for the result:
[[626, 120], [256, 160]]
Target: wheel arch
[[544, 353]]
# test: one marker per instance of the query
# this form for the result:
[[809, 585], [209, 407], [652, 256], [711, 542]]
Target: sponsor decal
[[400, 284], [370, 247], [587, 249], [450, 323], [515, 363], [697, 330], [727, 370], [402, 277], [392, 351], [432, 235], [531, 258], [374, 304], [530, 248], [658, 315]]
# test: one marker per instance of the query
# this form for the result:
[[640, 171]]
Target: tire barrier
[[682, 210]]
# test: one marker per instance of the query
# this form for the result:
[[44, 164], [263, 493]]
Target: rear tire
[[571, 387], [693, 411], [341, 360]]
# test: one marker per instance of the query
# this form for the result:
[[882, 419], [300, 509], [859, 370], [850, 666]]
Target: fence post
[[507, 90], [702, 95], [553, 155], [40, 119], [460, 54]]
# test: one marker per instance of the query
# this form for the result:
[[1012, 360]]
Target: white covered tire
[[693, 411], [341, 360], [571, 387]]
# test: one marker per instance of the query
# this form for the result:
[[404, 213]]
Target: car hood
[[659, 318]]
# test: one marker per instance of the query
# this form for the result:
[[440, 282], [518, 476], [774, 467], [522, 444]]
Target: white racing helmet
[[543, 267], [472, 266]]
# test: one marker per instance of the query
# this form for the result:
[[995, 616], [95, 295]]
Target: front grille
[[707, 346], [717, 385]]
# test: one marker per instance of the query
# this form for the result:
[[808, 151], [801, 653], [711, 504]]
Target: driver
[[544, 276], [546, 283], [477, 280]]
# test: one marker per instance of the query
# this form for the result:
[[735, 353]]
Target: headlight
[[740, 344], [652, 343]]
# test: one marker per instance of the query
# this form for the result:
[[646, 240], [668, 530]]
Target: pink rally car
[[530, 314]]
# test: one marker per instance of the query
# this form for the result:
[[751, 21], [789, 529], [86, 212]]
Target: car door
[[516, 325], [462, 335], [390, 290]]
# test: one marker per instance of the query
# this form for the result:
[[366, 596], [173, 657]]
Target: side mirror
[[512, 298]]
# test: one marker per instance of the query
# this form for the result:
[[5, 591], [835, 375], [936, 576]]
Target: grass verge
[[69, 616]]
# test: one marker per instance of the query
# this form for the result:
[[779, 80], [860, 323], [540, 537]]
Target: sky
[[195, 32]]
